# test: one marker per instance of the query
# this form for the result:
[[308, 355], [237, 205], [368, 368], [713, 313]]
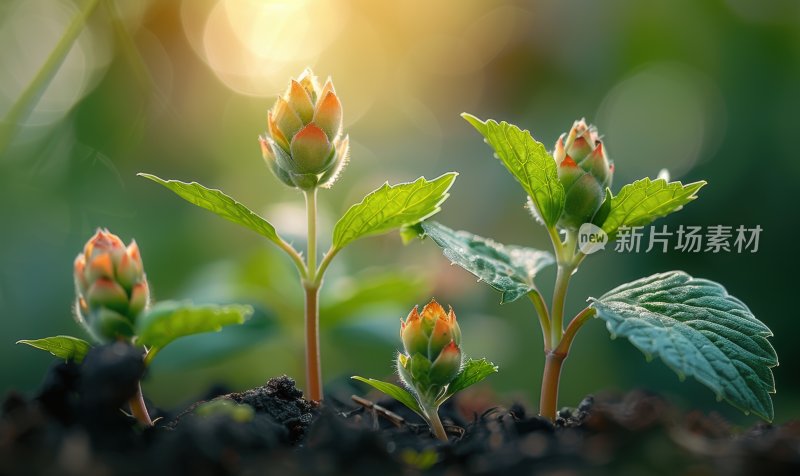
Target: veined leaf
[[507, 268], [63, 347], [698, 330], [398, 393], [473, 372], [169, 320], [641, 202], [528, 161], [217, 202], [392, 206]]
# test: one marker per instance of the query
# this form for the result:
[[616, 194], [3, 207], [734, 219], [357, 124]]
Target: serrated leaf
[[63, 347], [507, 268], [698, 330], [528, 161], [217, 202], [473, 372], [169, 320], [398, 393], [392, 206], [641, 202]]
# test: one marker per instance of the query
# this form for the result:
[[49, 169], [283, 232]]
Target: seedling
[[112, 303], [692, 324], [432, 366], [305, 149]]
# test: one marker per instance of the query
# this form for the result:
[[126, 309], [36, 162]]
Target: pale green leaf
[[217, 202], [528, 161], [698, 330], [471, 373], [507, 268], [641, 202], [63, 347], [349, 298], [391, 207], [169, 320], [398, 393]]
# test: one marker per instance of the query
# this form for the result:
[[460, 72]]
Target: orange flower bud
[[304, 146]]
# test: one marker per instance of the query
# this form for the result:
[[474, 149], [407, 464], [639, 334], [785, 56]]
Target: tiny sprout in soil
[[432, 366]]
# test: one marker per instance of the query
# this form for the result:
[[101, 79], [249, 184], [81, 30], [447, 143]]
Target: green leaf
[[169, 320], [216, 201], [507, 268], [528, 161], [368, 292], [63, 347], [698, 330], [473, 372], [400, 394], [392, 206], [641, 202]]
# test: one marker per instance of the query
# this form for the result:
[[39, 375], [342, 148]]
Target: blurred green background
[[707, 89]]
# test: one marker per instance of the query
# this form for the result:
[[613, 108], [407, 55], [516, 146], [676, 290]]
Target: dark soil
[[74, 426]]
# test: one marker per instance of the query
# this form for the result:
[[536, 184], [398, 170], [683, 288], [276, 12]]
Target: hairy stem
[[296, 258], [138, 408], [326, 260]]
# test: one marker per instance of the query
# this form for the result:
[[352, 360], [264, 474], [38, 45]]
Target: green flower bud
[[111, 287], [432, 357], [584, 171], [303, 145]]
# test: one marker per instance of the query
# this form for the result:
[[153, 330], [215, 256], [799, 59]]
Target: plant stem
[[311, 284], [311, 213], [313, 366], [544, 316], [138, 408], [550, 381], [326, 260], [559, 297], [149, 355], [559, 341], [296, 258], [30, 97], [435, 423], [572, 329]]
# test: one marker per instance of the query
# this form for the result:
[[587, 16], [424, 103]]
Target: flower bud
[[432, 356], [111, 287], [584, 171], [303, 145]]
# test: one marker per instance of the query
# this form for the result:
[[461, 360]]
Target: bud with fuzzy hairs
[[111, 287], [584, 170], [303, 145], [432, 357]]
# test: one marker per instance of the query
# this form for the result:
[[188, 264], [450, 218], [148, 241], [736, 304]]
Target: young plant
[[432, 366], [305, 148], [113, 304], [693, 325]]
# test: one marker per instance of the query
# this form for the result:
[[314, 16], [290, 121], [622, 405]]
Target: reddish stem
[[313, 366]]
